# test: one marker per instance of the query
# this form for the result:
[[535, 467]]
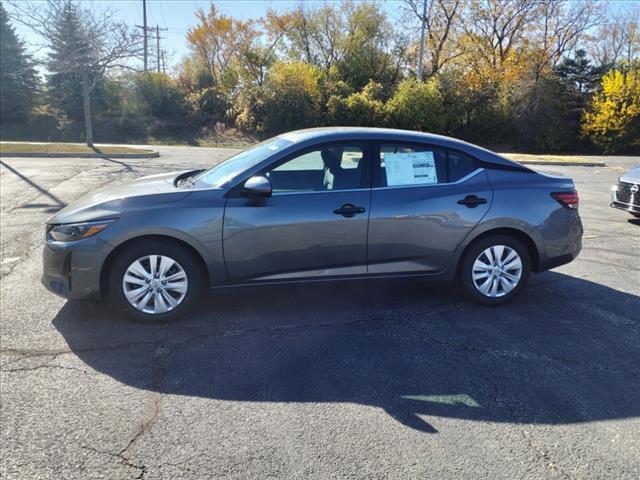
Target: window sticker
[[413, 168]]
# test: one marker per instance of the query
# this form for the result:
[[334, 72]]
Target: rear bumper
[[72, 269], [563, 243], [553, 262]]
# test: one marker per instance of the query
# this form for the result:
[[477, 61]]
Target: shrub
[[416, 105], [210, 103], [359, 109], [292, 98], [162, 96]]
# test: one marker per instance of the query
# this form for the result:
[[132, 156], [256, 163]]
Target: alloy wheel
[[155, 284], [497, 271]]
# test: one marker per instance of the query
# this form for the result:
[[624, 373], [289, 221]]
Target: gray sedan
[[316, 205]]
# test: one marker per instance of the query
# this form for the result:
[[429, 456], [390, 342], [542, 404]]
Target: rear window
[[459, 166]]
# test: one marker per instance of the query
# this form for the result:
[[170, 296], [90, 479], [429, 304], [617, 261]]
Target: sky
[[179, 15]]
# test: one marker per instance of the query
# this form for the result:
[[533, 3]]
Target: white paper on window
[[410, 168]]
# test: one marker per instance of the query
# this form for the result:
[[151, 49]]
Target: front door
[[313, 225], [425, 201]]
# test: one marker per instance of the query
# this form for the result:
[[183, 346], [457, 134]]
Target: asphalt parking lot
[[374, 379]]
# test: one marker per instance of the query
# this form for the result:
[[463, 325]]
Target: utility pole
[[158, 46], [422, 33], [144, 31], [158, 38]]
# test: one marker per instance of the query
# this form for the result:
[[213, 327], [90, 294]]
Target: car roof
[[310, 136]]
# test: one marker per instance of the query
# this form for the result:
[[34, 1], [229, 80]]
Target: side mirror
[[257, 186]]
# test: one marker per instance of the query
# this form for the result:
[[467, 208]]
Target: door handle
[[471, 201], [348, 210]]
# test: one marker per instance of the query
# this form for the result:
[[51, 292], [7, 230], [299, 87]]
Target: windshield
[[226, 171]]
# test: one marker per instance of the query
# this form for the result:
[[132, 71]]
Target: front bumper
[[627, 207], [624, 198], [72, 269]]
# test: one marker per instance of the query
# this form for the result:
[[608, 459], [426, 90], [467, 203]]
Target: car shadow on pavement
[[567, 351]]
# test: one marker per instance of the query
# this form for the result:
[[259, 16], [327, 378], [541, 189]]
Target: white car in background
[[626, 195]]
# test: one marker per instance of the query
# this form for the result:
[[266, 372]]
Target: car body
[[626, 195], [319, 204]]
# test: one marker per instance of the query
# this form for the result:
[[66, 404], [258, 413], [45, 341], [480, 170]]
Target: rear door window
[[410, 164]]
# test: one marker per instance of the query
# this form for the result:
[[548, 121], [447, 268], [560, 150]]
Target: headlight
[[76, 231]]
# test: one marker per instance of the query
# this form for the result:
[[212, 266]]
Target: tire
[[167, 296], [506, 287]]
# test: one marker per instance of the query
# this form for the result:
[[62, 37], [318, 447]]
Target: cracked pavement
[[374, 379]]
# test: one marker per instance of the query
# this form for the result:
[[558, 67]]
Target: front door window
[[326, 168]]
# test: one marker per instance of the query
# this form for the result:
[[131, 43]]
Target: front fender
[[198, 227]]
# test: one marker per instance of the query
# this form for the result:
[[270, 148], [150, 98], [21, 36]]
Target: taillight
[[567, 199]]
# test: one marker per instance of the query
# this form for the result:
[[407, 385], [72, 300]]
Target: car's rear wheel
[[495, 269], [155, 281]]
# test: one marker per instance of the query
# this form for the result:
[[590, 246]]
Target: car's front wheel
[[155, 281], [495, 269]]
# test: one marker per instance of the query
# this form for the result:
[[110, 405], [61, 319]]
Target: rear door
[[425, 201], [313, 225]]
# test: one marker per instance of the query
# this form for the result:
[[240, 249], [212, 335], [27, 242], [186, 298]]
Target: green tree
[[417, 105], [578, 72], [367, 48], [18, 79], [613, 120], [70, 65], [292, 97], [161, 95], [546, 117], [84, 44]]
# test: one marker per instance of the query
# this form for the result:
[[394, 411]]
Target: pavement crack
[[149, 418], [514, 354], [288, 327], [159, 373], [142, 469], [40, 367], [29, 353], [7, 270]]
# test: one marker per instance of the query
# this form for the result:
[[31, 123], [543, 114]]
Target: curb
[[562, 164], [79, 155]]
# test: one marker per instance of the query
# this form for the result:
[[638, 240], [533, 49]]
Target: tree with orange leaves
[[218, 39]]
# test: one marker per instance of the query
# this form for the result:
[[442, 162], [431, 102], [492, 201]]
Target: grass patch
[[7, 148], [519, 157]]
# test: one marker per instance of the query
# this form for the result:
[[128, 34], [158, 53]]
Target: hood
[[632, 176], [111, 201]]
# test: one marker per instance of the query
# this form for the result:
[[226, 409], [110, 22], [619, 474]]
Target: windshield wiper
[[189, 181]]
